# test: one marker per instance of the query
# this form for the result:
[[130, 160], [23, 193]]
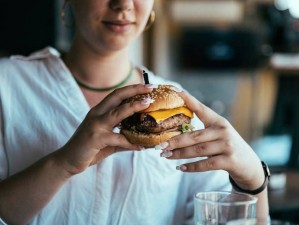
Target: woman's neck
[[98, 70]]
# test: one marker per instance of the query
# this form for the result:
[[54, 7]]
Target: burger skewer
[[145, 77]]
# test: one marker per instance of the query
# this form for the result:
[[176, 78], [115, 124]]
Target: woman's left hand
[[220, 143]]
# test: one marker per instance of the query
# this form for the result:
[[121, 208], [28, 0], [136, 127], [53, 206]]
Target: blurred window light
[[294, 8], [291, 5], [205, 11], [275, 150], [281, 4]]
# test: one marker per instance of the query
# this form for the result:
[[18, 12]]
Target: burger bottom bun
[[148, 140]]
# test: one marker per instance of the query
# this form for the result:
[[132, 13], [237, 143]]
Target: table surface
[[288, 197]]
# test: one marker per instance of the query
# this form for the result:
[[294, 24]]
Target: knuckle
[[228, 144], [113, 114], [117, 93], [196, 134], [175, 142], [179, 153], [210, 164], [223, 122], [225, 132], [135, 106], [199, 148], [196, 167], [202, 108], [131, 107], [190, 167]]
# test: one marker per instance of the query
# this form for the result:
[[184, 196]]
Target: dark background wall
[[26, 26]]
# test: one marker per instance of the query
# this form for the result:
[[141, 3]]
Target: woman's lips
[[118, 27]]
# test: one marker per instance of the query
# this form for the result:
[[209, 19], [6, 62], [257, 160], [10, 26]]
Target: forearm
[[23, 195], [262, 207]]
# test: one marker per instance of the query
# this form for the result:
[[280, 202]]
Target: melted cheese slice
[[165, 114]]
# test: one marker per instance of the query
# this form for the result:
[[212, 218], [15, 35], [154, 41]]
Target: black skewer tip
[[145, 77]]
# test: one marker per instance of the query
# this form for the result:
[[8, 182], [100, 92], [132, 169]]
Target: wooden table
[[287, 198], [284, 203]]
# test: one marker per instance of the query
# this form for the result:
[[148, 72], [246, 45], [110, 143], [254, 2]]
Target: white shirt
[[40, 108]]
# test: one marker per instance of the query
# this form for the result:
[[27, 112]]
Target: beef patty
[[147, 124]]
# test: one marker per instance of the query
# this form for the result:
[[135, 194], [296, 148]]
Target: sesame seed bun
[[163, 97]]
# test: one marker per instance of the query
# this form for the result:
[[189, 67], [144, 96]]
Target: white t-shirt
[[40, 108]]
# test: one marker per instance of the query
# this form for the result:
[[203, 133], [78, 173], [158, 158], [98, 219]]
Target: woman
[[57, 120]]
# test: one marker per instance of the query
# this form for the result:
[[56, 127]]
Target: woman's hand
[[220, 143], [94, 139]]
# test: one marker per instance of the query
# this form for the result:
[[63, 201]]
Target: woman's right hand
[[94, 139]]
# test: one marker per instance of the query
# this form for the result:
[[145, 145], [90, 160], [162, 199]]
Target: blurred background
[[239, 57]]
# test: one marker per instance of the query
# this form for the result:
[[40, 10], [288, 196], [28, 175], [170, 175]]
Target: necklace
[[127, 78]]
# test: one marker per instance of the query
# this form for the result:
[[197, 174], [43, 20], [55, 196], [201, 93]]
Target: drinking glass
[[219, 207], [250, 221]]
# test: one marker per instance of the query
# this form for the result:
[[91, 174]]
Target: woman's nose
[[121, 5]]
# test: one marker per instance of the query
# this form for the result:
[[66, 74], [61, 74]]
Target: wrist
[[59, 161], [257, 190]]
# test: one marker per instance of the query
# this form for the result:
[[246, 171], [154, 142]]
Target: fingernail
[[161, 146], [147, 101], [176, 89], [166, 154], [181, 167], [151, 86]]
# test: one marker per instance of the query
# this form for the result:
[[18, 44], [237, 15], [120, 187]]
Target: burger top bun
[[163, 98]]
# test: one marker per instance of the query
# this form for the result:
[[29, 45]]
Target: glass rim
[[252, 199]]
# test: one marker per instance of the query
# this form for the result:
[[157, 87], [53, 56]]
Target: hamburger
[[166, 117]]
